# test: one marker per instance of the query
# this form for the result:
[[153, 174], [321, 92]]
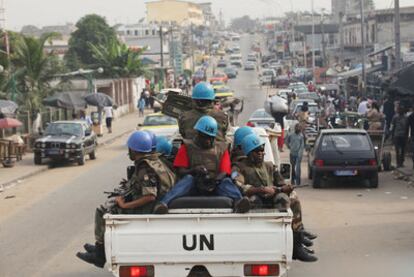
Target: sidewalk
[[26, 167]]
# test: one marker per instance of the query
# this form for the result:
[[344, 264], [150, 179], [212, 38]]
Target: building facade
[[174, 12]]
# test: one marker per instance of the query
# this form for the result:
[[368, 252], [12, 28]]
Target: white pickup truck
[[200, 237]]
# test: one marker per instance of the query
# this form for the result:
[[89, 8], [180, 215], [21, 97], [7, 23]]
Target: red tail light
[[261, 270], [372, 162], [318, 162], [250, 124], [136, 271]]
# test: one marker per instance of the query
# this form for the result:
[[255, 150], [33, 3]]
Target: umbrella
[[8, 107], [66, 100], [99, 100], [6, 123]]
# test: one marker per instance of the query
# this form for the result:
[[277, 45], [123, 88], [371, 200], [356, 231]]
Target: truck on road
[[199, 242]]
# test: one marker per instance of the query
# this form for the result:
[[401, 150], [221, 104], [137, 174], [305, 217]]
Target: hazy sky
[[57, 12]]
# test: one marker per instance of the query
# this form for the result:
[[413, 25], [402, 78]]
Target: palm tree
[[118, 61], [33, 71]]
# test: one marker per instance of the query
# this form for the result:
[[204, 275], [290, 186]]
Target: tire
[[92, 155], [81, 159], [37, 159], [373, 181], [317, 179], [386, 161]]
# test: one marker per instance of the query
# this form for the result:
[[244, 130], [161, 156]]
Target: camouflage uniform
[[250, 175], [189, 118], [151, 177]]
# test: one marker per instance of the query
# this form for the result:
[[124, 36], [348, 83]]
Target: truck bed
[[222, 243]]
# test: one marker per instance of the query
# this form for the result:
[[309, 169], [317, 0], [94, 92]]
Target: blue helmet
[[207, 125], [140, 141], [164, 146], [251, 142], [153, 139], [241, 133], [203, 91]]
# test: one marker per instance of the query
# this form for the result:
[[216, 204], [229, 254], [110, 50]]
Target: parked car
[[343, 153], [231, 72], [66, 141]]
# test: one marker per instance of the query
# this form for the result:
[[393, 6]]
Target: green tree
[[117, 60], [92, 30], [33, 71]]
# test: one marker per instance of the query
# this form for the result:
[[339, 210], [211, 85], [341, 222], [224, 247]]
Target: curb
[[40, 170]]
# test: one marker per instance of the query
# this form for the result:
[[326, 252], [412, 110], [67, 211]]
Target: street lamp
[[88, 75]]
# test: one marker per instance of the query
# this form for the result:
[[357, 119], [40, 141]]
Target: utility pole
[[324, 59], [341, 37], [364, 76], [313, 43], [161, 47], [397, 34]]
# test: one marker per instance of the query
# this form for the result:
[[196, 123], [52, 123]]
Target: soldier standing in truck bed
[[203, 104]]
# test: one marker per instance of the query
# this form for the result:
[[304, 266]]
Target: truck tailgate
[[198, 238]]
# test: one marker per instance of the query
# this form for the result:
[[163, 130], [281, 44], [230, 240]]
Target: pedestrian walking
[[109, 114], [296, 144], [141, 106], [363, 106], [399, 133], [388, 108]]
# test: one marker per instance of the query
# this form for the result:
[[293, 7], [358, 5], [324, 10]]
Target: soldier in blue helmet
[[165, 150], [203, 96], [237, 152], [138, 195], [265, 187], [205, 168]]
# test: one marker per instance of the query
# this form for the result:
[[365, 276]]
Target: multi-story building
[[379, 29], [174, 12], [60, 45], [138, 30], [144, 35], [349, 8], [209, 18]]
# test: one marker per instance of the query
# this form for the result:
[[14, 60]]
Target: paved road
[[361, 232]]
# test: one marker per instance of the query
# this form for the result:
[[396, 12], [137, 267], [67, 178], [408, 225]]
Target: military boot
[[96, 258], [299, 252], [89, 247], [305, 241], [242, 206], [309, 235]]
